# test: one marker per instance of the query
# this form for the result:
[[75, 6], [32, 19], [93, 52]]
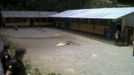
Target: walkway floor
[[85, 55]]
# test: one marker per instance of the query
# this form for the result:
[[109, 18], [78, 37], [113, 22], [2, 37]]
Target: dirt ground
[[83, 55]]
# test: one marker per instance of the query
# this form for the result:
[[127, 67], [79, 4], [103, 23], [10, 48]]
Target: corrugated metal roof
[[29, 14], [98, 13]]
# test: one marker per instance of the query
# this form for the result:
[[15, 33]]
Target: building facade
[[27, 18], [101, 21]]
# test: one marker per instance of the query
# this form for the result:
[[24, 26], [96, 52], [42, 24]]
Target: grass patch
[[30, 69]]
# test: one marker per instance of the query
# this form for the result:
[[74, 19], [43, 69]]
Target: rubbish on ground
[[63, 43]]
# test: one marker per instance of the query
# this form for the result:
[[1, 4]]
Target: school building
[[101, 21], [27, 18]]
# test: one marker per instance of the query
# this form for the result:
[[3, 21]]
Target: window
[[23, 20], [37, 20], [103, 22], [8, 20], [43, 20], [15, 20], [85, 21], [12, 20], [94, 21], [50, 20]]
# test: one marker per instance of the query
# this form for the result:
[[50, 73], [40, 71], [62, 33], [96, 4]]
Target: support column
[[123, 24]]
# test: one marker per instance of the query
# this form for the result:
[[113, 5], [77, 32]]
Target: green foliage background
[[59, 5]]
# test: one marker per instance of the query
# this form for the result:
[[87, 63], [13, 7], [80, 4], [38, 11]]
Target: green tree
[[100, 3], [58, 5], [128, 2]]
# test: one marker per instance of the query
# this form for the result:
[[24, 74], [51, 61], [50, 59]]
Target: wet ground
[[84, 55]]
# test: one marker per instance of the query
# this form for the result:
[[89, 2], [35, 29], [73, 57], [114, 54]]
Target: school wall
[[42, 23], [26, 23], [16, 24], [97, 29], [10, 24], [60, 24]]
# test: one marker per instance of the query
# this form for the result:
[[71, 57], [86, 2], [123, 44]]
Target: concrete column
[[123, 24]]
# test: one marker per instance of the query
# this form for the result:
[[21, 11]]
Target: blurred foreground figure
[[16, 66], [1, 70], [5, 57]]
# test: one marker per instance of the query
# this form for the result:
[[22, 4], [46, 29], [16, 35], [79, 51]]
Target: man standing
[[133, 42], [117, 37], [5, 57], [16, 66]]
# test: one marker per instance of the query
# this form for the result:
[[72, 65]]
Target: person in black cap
[[16, 66], [5, 57]]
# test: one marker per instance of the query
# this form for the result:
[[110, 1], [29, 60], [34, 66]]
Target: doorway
[[31, 22], [129, 36]]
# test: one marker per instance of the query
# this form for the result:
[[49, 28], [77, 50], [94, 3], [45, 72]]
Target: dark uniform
[[5, 58], [16, 66]]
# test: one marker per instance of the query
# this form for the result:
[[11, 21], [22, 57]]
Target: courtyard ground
[[84, 55]]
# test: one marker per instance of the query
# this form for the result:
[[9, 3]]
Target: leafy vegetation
[[128, 2], [30, 69], [58, 5]]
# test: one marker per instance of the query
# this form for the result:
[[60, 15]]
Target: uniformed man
[[5, 57], [133, 47], [133, 42], [117, 37], [16, 66]]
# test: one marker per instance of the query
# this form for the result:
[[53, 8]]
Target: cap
[[20, 51]]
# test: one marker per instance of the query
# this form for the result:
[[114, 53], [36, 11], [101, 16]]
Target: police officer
[[5, 57], [133, 42], [16, 66], [133, 47]]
